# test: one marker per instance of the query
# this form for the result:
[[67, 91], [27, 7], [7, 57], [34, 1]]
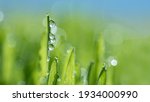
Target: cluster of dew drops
[[51, 37]]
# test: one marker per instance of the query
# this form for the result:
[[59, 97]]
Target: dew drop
[[53, 27], [84, 75], [50, 47], [56, 58], [52, 41], [114, 62], [52, 36], [52, 23]]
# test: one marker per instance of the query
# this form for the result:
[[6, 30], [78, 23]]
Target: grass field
[[86, 51]]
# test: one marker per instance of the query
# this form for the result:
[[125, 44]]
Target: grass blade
[[53, 73], [67, 76], [91, 74], [102, 76]]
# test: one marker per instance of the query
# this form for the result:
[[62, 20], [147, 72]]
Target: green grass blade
[[53, 73], [44, 55], [100, 51], [91, 74], [102, 76], [67, 76], [77, 75]]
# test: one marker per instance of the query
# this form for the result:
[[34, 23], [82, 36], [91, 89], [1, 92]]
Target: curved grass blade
[[77, 75], [91, 74], [102, 76], [44, 55], [67, 75], [100, 51], [53, 73]]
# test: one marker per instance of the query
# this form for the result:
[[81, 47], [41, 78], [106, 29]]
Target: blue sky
[[135, 10]]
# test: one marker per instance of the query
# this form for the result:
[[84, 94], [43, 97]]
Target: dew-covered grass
[[71, 51]]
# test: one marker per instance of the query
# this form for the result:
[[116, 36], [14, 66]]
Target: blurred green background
[[124, 26]]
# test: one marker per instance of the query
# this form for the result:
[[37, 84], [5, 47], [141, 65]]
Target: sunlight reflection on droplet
[[53, 27], [114, 62]]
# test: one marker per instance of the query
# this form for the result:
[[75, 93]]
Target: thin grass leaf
[[91, 74], [53, 73], [77, 75], [44, 55], [110, 73], [100, 51], [68, 76], [102, 76]]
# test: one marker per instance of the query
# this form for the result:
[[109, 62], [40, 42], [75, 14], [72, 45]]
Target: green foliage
[[78, 56]]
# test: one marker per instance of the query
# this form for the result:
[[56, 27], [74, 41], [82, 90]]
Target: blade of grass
[[91, 74], [102, 76], [68, 68], [100, 51], [44, 55], [53, 73]]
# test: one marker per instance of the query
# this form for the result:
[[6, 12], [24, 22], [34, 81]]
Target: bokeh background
[[124, 25]]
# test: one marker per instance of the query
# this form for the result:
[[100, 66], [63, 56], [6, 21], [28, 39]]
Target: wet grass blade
[[91, 74], [77, 75], [67, 76], [102, 76], [53, 73], [44, 55]]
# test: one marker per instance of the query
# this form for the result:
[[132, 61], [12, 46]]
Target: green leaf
[[44, 55], [91, 74], [67, 76], [53, 73], [102, 76]]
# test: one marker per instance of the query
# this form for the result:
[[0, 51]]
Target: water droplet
[[52, 36], [56, 58], [1, 16], [53, 27], [84, 76], [114, 62], [52, 23], [50, 47], [49, 53], [52, 41]]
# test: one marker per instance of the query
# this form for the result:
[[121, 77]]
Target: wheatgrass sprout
[[47, 45], [102, 76], [68, 69], [53, 75]]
